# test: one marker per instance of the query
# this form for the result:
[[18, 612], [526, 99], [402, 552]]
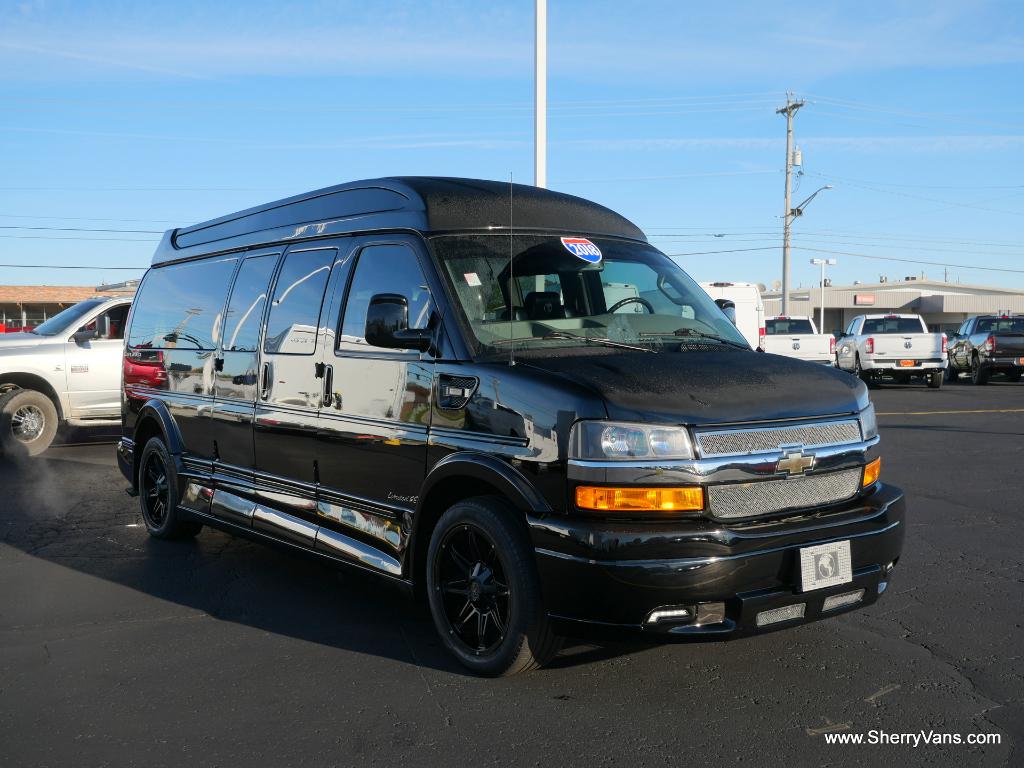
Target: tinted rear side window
[[1000, 325], [181, 306], [787, 327], [893, 325], [295, 311], [249, 297]]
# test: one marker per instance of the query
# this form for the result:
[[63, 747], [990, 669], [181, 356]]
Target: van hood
[[706, 387], [9, 340]]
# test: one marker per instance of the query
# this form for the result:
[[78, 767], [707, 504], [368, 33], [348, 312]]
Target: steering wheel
[[631, 300]]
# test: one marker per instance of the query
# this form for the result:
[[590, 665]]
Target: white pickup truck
[[798, 337], [65, 371], [895, 345]]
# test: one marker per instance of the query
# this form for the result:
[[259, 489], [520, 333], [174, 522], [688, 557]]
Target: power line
[[83, 239], [93, 218], [84, 229], [67, 266], [733, 250], [915, 261]]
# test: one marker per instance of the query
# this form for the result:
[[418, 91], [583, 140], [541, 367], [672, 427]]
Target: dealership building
[[943, 305], [26, 306]]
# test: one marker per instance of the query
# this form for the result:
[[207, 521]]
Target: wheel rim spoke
[[474, 593]]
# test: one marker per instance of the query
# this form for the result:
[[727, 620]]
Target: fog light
[[838, 601], [785, 613], [677, 613], [890, 566], [710, 613]]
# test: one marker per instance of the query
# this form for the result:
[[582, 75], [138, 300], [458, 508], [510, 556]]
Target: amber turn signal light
[[640, 499], [871, 472]]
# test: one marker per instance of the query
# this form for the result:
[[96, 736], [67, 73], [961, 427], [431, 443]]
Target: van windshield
[[536, 291], [63, 321]]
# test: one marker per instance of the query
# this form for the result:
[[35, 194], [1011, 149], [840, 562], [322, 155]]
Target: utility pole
[[540, 86], [789, 111]]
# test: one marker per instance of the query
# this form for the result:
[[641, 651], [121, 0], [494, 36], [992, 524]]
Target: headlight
[[622, 441], [868, 422]]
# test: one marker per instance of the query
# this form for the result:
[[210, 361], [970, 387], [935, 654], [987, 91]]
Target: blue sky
[[143, 116]]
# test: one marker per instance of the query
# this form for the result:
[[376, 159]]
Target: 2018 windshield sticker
[[582, 248]]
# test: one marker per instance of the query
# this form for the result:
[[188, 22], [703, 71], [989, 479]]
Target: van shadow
[[68, 508]]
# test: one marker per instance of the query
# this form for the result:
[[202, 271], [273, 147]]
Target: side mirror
[[100, 330], [728, 307], [387, 324]]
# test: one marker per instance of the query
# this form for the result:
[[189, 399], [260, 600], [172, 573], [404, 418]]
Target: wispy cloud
[[680, 43], [937, 144], [105, 61]]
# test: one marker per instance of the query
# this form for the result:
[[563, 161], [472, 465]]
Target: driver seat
[[544, 305]]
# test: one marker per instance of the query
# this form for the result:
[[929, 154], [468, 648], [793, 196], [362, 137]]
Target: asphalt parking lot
[[120, 650]]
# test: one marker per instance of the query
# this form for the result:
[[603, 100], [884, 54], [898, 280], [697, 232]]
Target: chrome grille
[[766, 497], [737, 442]]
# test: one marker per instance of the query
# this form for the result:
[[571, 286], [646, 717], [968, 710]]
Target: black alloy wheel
[[474, 589], [155, 491], [159, 496], [952, 375], [483, 589], [979, 373]]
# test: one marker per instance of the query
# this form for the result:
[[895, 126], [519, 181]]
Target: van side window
[[245, 310], [384, 269], [295, 311], [180, 306]]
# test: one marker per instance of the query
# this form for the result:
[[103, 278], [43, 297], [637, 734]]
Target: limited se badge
[[825, 565], [582, 248]]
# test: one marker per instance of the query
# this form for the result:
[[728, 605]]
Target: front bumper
[[604, 578]]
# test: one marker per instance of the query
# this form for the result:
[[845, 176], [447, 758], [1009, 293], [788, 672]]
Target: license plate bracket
[[825, 565]]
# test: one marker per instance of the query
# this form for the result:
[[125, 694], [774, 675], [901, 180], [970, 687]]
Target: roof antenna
[[511, 282]]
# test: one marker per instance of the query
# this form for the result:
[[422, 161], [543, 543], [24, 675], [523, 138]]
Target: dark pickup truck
[[987, 344]]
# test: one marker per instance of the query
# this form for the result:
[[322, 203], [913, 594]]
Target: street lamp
[[822, 263], [791, 214]]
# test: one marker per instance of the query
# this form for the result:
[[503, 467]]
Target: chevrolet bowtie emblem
[[794, 463]]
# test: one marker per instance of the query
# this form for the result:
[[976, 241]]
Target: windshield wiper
[[556, 335], [693, 332], [603, 340]]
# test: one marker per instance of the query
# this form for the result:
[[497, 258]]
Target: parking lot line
[[937, 413]]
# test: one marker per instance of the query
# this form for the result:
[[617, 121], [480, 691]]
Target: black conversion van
[[505, 398]]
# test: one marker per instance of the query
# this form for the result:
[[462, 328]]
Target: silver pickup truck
[[892, 345], [65, 371]]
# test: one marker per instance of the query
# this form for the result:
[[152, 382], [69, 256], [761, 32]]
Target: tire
[[480, 579], [1013, 376], [935, 379], [979, 374], [860, 373], [28, 422], [159, 494], [951, 374]]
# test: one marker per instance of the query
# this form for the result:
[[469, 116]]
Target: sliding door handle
[[265, 382], [328, 385]]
